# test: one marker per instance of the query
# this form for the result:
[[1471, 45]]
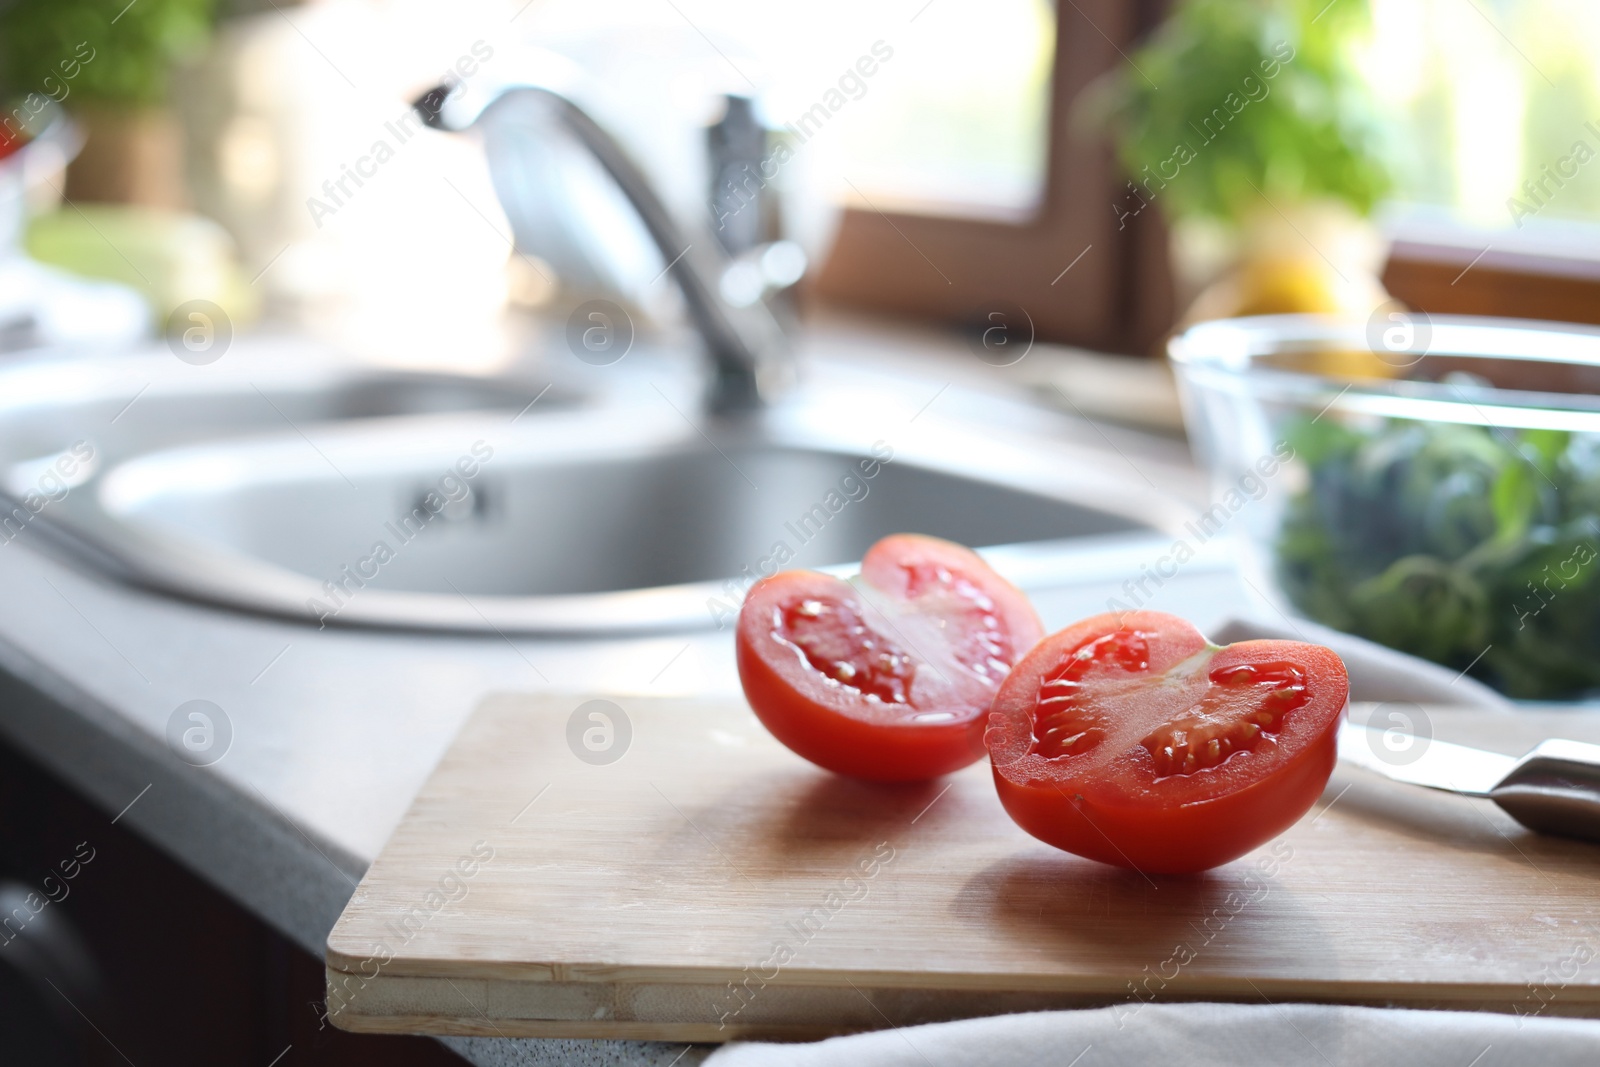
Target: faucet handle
[[743, 206]]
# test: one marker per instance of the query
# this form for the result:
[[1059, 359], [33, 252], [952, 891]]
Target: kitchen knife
[[1554, 789]]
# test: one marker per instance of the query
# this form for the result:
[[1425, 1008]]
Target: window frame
[[954, 269]]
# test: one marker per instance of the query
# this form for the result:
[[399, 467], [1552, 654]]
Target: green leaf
[[1516, 501], [1233, 100], [70, 51]]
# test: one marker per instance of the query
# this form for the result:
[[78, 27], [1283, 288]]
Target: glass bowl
[[1430, 485]]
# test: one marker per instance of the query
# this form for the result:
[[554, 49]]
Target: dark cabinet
[[111, 953]]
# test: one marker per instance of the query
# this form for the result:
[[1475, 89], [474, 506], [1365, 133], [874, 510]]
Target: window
[[963, 184], [936, 122], [1497, 121], [1499, 104], [961, 124], [1068, 265]]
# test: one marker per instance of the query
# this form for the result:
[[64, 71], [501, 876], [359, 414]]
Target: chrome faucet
[[749, 351]]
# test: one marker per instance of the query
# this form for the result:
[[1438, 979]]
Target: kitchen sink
[[126, 404], [682, 514], [587, 519]]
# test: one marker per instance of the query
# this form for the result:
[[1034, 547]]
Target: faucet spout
[[746, 345]]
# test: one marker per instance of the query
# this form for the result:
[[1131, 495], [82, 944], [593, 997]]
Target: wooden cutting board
[[708, 885]]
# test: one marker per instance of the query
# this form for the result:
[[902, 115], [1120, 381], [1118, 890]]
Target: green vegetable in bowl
[[1475, 547]]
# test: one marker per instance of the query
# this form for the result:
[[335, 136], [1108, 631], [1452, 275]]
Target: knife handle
[[1555, 789]]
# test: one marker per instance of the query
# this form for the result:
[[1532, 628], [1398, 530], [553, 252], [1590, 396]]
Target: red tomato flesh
[[10, 142], [1129, 739], [887, 677]]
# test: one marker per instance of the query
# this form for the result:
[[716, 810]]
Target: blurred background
[[988, 148]]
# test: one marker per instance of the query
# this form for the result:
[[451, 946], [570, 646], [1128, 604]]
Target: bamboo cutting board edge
[[815, 1025]]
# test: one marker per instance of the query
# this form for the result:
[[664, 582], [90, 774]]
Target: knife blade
[[1554, 789], [1423, 761]]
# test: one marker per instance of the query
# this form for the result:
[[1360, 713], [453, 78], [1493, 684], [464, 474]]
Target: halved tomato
[[1129, 739], [889, 676]]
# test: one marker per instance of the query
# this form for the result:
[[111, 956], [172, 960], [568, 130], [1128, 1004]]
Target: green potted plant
[[1247, 125], [110, 70]]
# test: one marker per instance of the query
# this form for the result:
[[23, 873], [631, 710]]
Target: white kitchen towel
[[1201, 1035]]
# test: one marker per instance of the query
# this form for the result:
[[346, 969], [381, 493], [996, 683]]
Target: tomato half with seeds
[[1129, 739], [888, 676]]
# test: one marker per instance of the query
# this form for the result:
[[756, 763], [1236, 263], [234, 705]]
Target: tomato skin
[[832, 725], [1194, 837], [1128, 823], [844, 745]]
